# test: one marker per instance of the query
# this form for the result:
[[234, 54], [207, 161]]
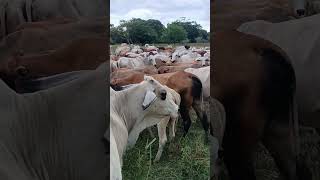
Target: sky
[[164, 10]]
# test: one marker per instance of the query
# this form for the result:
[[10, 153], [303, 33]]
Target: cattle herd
[[181, 73], [54, 70]]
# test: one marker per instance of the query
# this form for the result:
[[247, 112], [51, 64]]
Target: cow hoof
[[157, 159]]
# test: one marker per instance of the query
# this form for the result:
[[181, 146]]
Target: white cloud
[[164, 10]]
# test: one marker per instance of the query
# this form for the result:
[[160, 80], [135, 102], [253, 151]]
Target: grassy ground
[[183, 158]]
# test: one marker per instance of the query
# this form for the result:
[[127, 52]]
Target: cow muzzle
[[163, 94]]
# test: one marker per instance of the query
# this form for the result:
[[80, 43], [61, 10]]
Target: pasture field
[[113, 47], [183, 158]]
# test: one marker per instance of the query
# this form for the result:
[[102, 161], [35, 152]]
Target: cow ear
[[149, 98]]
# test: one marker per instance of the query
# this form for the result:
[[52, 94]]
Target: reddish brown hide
[[255, 82]]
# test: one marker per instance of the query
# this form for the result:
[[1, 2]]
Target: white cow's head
[[203, 60], [150, 60], [298, 7], [158, 101], [175, 56]]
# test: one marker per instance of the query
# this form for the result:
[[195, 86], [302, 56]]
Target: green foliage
[[141, 31], [193, 28], [117, 35], [174, 34]]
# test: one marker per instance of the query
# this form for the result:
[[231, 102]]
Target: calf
[[162, 125]]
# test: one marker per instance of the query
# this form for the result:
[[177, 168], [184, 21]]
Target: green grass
[[183, 158]]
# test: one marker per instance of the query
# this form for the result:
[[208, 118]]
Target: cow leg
[[162, 137], [150, 132], [244, 128], [184, 112], [278, 141], [203, 118], [239, 162], [172, 128], [238, 151]]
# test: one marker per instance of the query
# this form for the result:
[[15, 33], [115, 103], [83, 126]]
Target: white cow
[[160, 57], [162, 125], [204, 75], [136, 49], [133, 110], [185, 57], [122, 49], [133, 55], [205, 60], [133, 63], [179, 51], [149, 48]]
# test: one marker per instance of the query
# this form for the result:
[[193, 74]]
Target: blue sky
[[164, 10]]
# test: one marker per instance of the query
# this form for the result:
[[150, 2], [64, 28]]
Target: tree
[[139, 31], [142, 31], [191, 27], [174, 34], [203, 34], [117, 35], [157, 26]]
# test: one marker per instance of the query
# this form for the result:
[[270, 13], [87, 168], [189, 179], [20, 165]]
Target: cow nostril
[[300, 12]]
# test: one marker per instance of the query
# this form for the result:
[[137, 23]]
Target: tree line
[[139, 31]]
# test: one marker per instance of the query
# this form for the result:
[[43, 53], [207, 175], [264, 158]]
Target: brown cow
[[35, 40], [186, 84], [149, 70], [255, 82], [177, 67], [81, 54], [45, 24]]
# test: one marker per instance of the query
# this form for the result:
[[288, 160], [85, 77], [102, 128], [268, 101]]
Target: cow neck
[[131, 109]]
